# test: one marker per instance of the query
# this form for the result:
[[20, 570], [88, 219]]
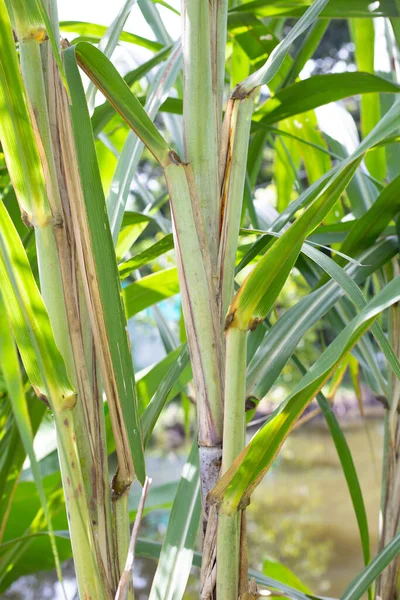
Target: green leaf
[[143, 258], [104, 112], [363, 34], [130, 233], [282, 339], [252, 464], [96, 32], [17, 134], [133, 147], [365, 231], [348, 468], [29, 319], [335, 9], [149, 380], [287, 163], [278, 55], [12, 451], [164, 387], [357, 297], [317, 91], [152, 16], [117, 367], [149, 290], [310, 43], [11, 370], [108, 44], [259, 291], [176, 555], [105, 76], [362, 582], [25, 537], [283, 573]]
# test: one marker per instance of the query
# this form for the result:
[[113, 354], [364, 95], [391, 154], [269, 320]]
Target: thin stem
[[228, 540], [122, 533], [228, 543], [235, 390]]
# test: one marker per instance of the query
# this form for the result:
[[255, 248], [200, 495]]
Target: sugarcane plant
[[64, 312]]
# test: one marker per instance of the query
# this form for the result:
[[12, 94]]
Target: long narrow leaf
[[28, 316], [177, 552], [363, 581], [251, 465], [12, 375], [277, 56], [317, 91], [103, 73], [104, 112], [149, 290], [95, 32], [108, 44], [103, 281], [16, 132], [335, 9]]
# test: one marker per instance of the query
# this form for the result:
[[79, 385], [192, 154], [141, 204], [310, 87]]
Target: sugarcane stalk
[[204, 37], [88, 574], [116, 547], [228, 540], [122, 536], [387, 584], [218, 29], [68, 314], [199, 305], [199, 114]]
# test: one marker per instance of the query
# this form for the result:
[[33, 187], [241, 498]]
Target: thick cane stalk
[[63, 295], [203, 76], [47, 373]]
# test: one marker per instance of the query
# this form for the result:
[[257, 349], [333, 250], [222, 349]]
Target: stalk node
[[119, 486], [26, 219], [254, 323], [250, 403], [240, 93], [39, 34], [210, 466], [230, 317], [174, 157], [58, 221], [41, 396]]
